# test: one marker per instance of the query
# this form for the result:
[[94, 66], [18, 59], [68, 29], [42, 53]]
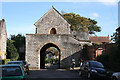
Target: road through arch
[[43, 54]]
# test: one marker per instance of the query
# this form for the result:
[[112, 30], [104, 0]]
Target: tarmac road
[[54, 74]]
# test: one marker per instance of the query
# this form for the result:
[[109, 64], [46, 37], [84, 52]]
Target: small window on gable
[[53, 31]]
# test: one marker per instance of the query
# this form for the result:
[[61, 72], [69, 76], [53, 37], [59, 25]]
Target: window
[[11, 71], [53, 31]]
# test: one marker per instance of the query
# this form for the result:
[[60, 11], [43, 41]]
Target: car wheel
[[80, 73], [114, 78]]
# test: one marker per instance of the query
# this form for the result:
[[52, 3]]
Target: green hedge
[[49, 60], [4, 61]]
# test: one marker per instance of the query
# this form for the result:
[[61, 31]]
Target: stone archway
[[43, 54], [56, 31]]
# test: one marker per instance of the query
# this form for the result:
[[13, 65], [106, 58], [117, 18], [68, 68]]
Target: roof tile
[[99, 39]]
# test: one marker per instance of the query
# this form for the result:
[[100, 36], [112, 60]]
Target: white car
[[116, 76]]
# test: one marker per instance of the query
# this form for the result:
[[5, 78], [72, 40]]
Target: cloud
[[94, 15], [109, 2]]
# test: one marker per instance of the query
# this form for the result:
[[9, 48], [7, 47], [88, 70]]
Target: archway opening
[[53, 31], [49, 56]]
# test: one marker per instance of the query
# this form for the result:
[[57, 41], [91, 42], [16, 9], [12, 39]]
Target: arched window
[[53, 31]]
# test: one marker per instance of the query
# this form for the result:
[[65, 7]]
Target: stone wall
[[83, 35], [3, 38], [69, 48], [52, 19]]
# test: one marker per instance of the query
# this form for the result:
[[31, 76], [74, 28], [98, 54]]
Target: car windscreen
[[16, 63], [11, 71], [96, 64]]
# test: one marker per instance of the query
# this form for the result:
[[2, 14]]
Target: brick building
[[101, 45]]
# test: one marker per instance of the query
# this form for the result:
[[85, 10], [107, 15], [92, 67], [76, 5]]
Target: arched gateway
[[53, 31], [43, 54]]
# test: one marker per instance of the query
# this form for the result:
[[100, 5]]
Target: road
[[54, 74]]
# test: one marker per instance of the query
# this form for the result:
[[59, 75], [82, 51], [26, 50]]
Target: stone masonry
[[69, 46], [3, 39]]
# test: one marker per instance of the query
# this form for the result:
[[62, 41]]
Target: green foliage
[[51, 60], [114, 37], [111, 60], [114, 59], [4, 61], [79, 23], [48, 60], [11, 50], [104, 59], [19, 42]]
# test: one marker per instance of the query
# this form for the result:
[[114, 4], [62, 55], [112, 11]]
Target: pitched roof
[[52, 9], [99, 39]]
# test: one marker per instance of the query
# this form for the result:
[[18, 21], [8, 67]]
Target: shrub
[[111, 60], [4, 61]]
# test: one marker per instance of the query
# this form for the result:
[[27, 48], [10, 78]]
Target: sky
[[20, 16]]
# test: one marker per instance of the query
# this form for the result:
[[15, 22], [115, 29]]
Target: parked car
[[16, 62], [93, 69], [12, 72], [116, 76], [26, 70]]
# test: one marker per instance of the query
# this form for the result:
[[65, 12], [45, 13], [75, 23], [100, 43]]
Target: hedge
[[4, 61]]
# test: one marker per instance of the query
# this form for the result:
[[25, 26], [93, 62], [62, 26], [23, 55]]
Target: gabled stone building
[[3, 39], [52, 30]]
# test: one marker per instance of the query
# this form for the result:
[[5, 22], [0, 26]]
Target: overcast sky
[[20, 16]]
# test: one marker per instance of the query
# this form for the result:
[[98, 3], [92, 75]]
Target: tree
[[114, 37], [11, 50], [79, 23], [111, 59], [19, 40], [19, 44]]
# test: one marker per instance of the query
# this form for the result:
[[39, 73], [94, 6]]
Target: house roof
[[99, 39]]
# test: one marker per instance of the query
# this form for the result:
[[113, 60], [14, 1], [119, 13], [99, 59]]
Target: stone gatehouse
[[52, 30]]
